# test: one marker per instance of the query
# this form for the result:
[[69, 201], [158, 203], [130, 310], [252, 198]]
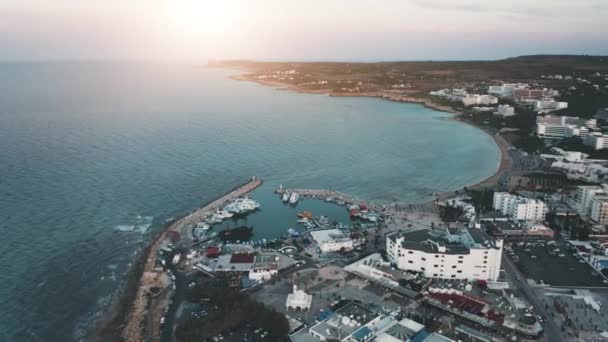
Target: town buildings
[[519, 207], [507, 89], [446, 253], [332, 240], [476, 99], [560, 127]]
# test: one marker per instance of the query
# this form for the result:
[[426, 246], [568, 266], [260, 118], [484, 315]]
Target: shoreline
[[128, 312], [131, 310], [504, 164]]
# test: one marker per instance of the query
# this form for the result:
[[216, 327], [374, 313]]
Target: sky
[[337, 30]]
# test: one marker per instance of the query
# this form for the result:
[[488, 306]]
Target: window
[[485, 261], [434, 275], [454, 266], [453, 276], [423, 259], [435, 265], [460, 257], [422, 268], [410, 262], [436, 256], [460, 261], [410, 252], [459, 271]]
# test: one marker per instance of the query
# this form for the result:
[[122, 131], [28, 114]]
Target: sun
[[210, 17]]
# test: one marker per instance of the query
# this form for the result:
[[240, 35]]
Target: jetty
[[329, 196], [147, 308]]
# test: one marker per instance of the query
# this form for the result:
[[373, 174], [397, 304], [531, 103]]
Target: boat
[[203, 225], [305, 215], [242, 205], [224, 213], [285, 197], [294, 198]]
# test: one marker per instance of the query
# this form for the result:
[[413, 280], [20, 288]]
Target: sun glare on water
[[204, 17]]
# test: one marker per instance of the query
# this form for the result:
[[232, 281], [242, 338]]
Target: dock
[[329, 196], [184, 225]]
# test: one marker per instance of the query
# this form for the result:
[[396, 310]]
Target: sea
[[96, 156]]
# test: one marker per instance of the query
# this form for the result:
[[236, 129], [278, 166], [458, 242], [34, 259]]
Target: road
[[552, 330]]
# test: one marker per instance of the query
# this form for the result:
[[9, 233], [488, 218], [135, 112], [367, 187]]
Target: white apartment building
[[560, 127], [584, 195], [545, 106], [599, 209], [519, 208], [598, 141], [507, 89], [332, 240], [446, 254], [476, 99], [505, 110]]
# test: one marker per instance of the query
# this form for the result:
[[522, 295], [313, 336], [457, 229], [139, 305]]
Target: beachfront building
[[519, 207], [332, 240], [446, 253], [560, 127], [298, 300], [476, 99], [505, 110]]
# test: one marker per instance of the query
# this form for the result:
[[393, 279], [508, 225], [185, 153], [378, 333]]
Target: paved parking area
[[536, 262]]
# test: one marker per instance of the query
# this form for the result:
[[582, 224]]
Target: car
[[162, 320]]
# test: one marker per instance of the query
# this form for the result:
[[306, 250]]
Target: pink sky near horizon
[[311, 30]]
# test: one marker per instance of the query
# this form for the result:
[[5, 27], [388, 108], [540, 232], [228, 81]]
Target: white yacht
[[224, 214], [294, 198], [285, 197]]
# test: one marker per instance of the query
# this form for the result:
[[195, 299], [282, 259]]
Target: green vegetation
[[482, 200], [228, 309], [450, 212]]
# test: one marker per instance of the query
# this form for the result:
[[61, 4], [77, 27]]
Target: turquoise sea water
[[92, 154]]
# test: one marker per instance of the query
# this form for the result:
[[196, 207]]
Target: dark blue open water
[[87, 147]]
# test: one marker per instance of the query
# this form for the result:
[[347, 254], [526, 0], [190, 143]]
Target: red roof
[[242, 258], [213, 251]]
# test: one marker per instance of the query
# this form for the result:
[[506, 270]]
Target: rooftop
[[446, 241]]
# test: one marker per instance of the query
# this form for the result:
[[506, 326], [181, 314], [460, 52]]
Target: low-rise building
[[476, 99], [519, 207], [446, 253], [298, 300], [332, 240], [515, 231]]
